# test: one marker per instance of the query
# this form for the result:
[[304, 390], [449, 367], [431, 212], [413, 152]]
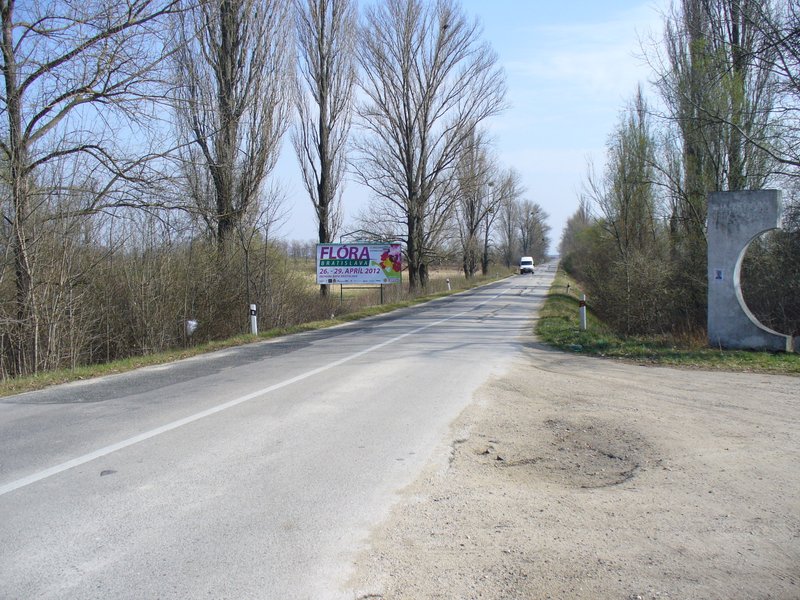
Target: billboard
[[359, 263]]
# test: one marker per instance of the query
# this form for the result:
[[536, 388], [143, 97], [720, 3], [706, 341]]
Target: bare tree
[[508, 217], [326, 31], [579, 222], [718, 97], [506, 188], [533, 230], [776, 29], [628, 267], [626, 194], [77, 79], [475, 177], [428, 80], [717, 103], [233, 74]]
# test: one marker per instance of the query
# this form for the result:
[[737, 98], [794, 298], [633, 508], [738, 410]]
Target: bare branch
[[428, 82], [326, 31], [232, 101]]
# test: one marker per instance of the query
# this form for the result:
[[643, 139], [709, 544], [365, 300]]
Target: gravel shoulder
[[572, 477]]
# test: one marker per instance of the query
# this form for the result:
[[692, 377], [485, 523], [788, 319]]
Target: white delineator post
[[253, 319], [448, 284], [582, 310]]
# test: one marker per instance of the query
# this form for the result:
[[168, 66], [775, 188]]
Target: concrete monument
[[735, 219]]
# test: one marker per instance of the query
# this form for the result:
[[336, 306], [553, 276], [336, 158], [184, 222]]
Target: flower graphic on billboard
[[392, 261]]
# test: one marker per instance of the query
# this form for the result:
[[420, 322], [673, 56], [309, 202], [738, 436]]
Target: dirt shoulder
[[573, 477]]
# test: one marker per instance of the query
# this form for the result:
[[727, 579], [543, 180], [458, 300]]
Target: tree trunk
[[736, 170], [417, 269], [24, 346], [25, 360], [324, 198], [324, 238], [485, 255]]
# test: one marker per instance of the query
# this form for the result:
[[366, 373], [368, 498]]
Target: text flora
[[344, 252]]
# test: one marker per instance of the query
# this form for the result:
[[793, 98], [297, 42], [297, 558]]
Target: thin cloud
[[594, 57]]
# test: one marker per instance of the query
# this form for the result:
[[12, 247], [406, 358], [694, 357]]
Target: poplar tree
[[427, 80], [326, 31]]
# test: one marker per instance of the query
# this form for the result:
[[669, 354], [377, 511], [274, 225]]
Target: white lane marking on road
[[82, 460]]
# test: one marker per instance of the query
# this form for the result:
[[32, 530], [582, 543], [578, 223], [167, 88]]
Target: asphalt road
[[254, 472]]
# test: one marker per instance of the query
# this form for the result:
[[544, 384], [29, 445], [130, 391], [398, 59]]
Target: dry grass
[[558, 326], [358, 303]]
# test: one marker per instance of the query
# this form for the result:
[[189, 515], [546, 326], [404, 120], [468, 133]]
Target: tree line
[[721, 115], [138, 139]]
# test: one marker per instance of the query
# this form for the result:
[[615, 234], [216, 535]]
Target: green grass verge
[[42, 380], [559, 326]]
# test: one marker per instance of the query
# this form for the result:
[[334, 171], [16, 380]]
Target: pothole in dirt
[[575, 454]]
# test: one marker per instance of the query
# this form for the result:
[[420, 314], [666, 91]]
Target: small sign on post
[[253, 319]]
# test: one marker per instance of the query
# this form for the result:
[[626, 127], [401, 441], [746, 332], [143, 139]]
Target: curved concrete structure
[[735, 219]]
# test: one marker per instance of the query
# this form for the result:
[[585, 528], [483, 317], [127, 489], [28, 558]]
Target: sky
[[571, 67]]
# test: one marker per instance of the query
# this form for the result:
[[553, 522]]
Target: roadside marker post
[[582, 310], [253, 319]]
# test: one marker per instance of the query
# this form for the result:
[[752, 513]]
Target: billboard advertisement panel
[[359, 263]]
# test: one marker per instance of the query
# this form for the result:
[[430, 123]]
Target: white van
[[526, 265]]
